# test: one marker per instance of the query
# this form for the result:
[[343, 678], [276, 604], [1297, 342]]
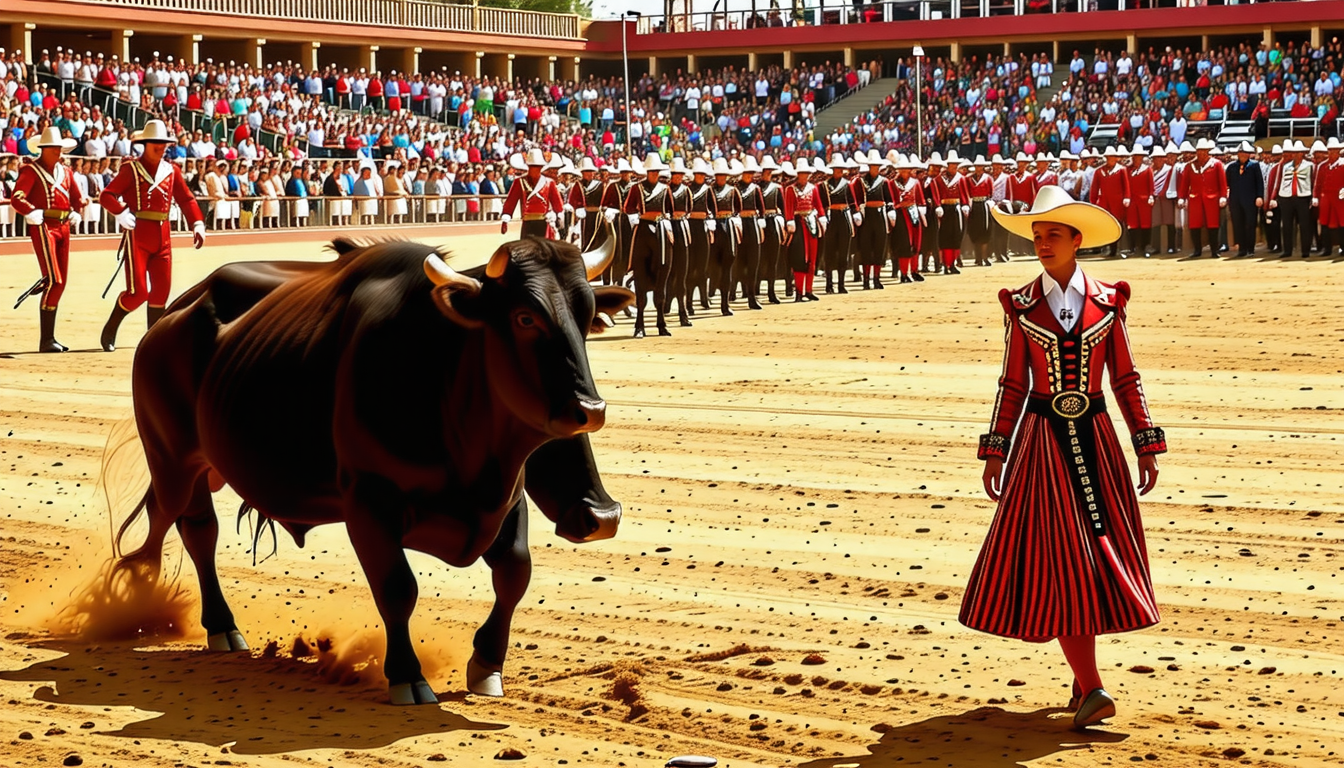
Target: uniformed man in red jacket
[[1330, 192], [1110, 190], [1203, 192], [140, 197], [46, 196], [537, 196]]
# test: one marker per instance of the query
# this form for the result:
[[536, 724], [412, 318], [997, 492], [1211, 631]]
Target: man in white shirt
[[1291, 184]]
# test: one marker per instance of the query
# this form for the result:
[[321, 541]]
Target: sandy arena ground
[[796, 481]]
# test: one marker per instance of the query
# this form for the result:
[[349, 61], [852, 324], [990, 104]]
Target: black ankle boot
[[109, 337], [48, 342]]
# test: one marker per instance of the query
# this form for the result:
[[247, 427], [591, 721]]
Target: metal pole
[[625, 57], [919, 113]]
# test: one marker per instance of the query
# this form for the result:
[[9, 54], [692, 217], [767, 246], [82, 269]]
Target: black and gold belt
[[151, 216], [1071, 415]]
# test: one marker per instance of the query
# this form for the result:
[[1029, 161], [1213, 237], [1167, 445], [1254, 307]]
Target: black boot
[[867, 281], [877, 281], [48, 342], [841, 288], [152, 316], [109, 337], [830, 284]]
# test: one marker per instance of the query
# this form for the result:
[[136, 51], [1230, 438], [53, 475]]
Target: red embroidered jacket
[[1037, 346]]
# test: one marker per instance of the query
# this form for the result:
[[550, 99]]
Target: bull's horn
[[595, 262], [494, 269], [440, 273]]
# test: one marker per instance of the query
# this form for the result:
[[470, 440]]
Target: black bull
[[389, 392]]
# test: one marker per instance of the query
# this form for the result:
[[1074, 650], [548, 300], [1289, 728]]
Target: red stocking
[[800, 283], [1081, 652]]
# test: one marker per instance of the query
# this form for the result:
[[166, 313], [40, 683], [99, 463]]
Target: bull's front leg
[[373, 519], [511, 570]]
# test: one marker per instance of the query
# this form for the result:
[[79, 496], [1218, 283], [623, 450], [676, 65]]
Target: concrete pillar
[[751, 62], [191, 48], [1007, 52], [1315, 37], [1055, 55], [121, 43], [849, 56], [21, 39], [956, 52], [479, 56], [691, 67], [508, 68], [311, 54], [653, 69], [788, 59], [572, 68], [1132, 43], [1269, 37], [368, 58], [258, 56], [1203, 42], [410, 60]]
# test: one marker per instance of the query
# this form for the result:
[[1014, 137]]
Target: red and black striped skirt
[[1043, 572]]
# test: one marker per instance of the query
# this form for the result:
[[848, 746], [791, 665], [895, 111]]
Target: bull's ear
[[455, 294], [610, 299]]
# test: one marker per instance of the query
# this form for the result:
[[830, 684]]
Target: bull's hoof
[[231, 640], [406, 694], [484, 681]]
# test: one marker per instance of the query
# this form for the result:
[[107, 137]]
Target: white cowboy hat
[[1246, 146], [1317, 146], [1277, 150], [997, 159], [1121, 151], [534, 157], [652, 162], [735, 167], [1159, 152], [1053, 204], [953, 158], [1110, 152], [1139, 151], [1066, 155], [557, 162], [749, 165], [516, 162], [936, 159], [980, 162], [1186, 146], [893, 157], [154, 131], [768, 163], [50, 137], [700, 167], [910, 163], [840, 163], [568, 169], [860, 160], [679, 165], [786, 170], [623, 166], [1021, 158], [721, 167], [820, 167], [1205, 144], [875, 158], [636, 167], [1334, 143], [586, 164]]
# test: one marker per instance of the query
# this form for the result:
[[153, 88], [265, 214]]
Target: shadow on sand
[[988, 737], [263, 705]]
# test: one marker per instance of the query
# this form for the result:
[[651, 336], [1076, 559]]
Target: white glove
[[822, 225], [1180, 203], [575, 232], [923, 209], [760, 225], [1151, 201], [965, 210], [1222, 202], [1275, 203], [580, 213], [891, 217], [34, 216], [198, 228], [711, 225], [938, 211], [780, 221], [667, 229], [791, 227], [505, 218], [1341, 194], [1315, 202], [1125, 202], [567, 208], [550, 218], [737, 226], [74, 219], [609, 214], [858, 218], [633, 218], [126, 219]]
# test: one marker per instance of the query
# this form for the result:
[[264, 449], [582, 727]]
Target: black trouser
[[1243, 224], [697, 265], [746, 269], [722, 255], [649, 261], [998, 238], [873, 237], [534, 228], [624, 234], [1295, 215], [835, 249], [679, 261], [773, 258]]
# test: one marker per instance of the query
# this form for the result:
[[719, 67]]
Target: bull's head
[[536, 307]]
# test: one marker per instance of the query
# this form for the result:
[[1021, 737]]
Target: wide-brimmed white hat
[[768, 163], [586, 164], [749, 165], [699, 166], [623, 166], [1334, 143], [679, 165], [735, 167], [980, 162], [154, 131], [1054, 205], [653, 162], [953, 158], [50, 137], [1277, 150], [802, 168], [1317, 146], [721, 167], [876, 159], [1138, 150], [997, 159], [936, 159], [534, 157], [910, 163], [786, 170], [1246, 146], [1159, 151], [860, 160], [820, 167], [1207, 144], [1186, 146]]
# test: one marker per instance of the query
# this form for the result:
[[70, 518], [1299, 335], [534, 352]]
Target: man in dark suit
[[1245, 197]]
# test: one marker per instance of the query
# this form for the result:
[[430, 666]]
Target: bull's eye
[[526, 320]]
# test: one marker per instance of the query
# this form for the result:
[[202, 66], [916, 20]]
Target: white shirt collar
[[1076, 284]]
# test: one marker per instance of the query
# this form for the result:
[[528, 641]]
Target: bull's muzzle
[[586, 416], [589, 521]]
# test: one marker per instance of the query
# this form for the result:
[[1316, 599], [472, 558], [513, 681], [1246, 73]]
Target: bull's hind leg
[[510, 569], [199, 529], [371, 520]]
